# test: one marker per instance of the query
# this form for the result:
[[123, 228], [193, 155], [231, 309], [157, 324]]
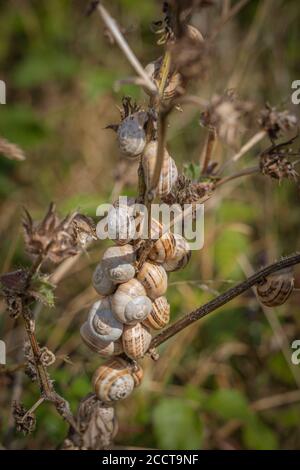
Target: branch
[[222, 299]]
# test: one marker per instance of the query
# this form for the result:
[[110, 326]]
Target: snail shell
[[159, 316], [123, 295], [96, 344], [137, 310], [131, 134], [120, 225], [154, 278], [276, 288], [136, 340], [102, 322], [181, 256], [169, 172], [101, 282], [118, 262], [113, 380], [194, 34], [163, 249], [174, 80]]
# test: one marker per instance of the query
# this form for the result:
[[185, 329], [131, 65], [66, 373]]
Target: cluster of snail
[[132, 297]]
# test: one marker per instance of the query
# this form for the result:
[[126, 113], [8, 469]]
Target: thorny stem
[[222, 299], [120, 40]]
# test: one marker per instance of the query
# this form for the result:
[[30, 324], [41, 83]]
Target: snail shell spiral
[[113, 381], [118, 262], [181, 255], [276, 288], [154, 279], [101, 282], [123, 295]]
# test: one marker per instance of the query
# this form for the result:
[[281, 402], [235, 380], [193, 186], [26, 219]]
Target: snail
[[173, 83], [101, 282], [117, 262], [159, 316], [102, 323], [94, 342], [120, 225], [163, 249], [194, 34], [154, 279], [136, 340], [169, 172], [124, 294], [131, 134], [114, 380], [275, 289], [181, 256], [137, 310]]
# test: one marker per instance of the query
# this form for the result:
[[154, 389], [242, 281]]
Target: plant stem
[[222, 299], [207, 151], [245, 172]]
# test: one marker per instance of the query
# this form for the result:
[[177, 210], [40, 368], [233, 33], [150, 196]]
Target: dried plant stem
[[222, 299], [245, 148], [207, 151], [120, 40], [239, 174]]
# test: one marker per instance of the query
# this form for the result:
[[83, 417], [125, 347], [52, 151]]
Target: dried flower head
[[186, 191], [25, 421], [274, 161], [189, 58], [224, 115], [13, 286], [276, 122], [56, 239]]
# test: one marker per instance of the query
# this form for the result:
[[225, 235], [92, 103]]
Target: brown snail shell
[[123, 295], [159, 317], [117, 262], [154, 278], [181, 256], [174, 81], [131, 134], [101, 282], [276, 288], [113, 381], [169, 172], [194, 34], [136, 340], [163, 249]]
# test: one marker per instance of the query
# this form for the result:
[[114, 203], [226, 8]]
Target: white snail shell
[[101, 282], [123, 295], [113, 381], [163, 249], [154, 278], [113, 348], [169, 172], [120, 225], [131, 134], [137, 310], [102, 322], [181, 256], [159, 316], [136, 340], [118, 262], [276, 288]]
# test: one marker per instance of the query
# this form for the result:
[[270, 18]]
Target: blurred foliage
[[61, 74]]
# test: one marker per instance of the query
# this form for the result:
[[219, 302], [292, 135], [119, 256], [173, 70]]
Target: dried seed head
[[276, 122], [277, 167], [25, 422]]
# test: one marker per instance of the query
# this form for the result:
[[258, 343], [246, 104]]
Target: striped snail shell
[[159, 316], [194, 34], [113, 380], [154, 278], [137, 310], [173, 83], [101, 282], [142, 228], [123, 295], [131, 134], [136, 340], [120, 225], [169, 172], [163, 249], [275, 289], [118, 263], [181, 256]]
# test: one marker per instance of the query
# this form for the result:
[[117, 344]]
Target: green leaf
[[229, 404], [258, 436], [43, 290], [176, 425]]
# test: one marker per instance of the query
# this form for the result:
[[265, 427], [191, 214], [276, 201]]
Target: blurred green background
[[228, 381]]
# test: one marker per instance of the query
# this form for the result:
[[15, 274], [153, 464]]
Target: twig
[[222, 299], [239, 174], [245, 148], [120, 40], [207, 151]]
